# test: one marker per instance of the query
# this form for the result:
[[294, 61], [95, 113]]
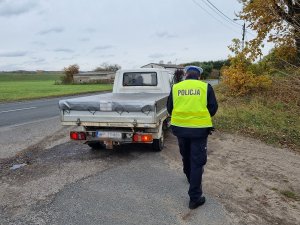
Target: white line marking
[[26, 123], [14, 110]]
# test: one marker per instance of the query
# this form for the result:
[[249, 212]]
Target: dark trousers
[[194, 157]]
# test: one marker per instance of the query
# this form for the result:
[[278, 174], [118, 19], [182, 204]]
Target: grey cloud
[[52, 30], [84, 39], [42, 12], [90, 30], [67, 58], [102, 47], [39, 43], [35, 60], [39, 60], [13, 54], [156, 55], [15, 7], [107, 56], [165, 34], [63, 50], [160, 55]]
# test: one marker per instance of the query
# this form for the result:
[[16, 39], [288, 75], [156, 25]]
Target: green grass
[[290, 194], [260, 116], [18, 86]]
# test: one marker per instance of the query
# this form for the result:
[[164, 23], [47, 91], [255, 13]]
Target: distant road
[[25, 112], [18, 113], [213, 82]]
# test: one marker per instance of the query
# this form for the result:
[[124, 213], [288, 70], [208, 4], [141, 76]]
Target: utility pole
[[244, 33]]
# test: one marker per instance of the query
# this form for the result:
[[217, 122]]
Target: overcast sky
[[52, 34]]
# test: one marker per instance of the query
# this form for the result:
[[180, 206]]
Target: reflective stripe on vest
[[190, 105]]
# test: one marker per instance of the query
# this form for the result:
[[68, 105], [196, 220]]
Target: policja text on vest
[[189, 92]]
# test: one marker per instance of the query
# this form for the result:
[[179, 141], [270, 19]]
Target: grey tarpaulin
[[119, 102]]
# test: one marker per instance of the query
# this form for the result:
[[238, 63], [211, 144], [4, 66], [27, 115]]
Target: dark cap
[[193, 68]]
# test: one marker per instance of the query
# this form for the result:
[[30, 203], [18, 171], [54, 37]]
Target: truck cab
[[147, 80]]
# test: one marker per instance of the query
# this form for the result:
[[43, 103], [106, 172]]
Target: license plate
[[103, 134]]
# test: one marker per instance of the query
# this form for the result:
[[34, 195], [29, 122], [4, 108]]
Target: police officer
[[191, 105]]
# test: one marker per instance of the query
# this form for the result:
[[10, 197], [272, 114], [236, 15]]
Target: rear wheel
[[158, 144], [96, 145]]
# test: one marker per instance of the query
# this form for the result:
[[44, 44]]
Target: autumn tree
[[276, 21], [241, 76], [69, 73]]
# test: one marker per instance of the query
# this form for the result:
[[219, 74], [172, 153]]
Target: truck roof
[[143, 70]]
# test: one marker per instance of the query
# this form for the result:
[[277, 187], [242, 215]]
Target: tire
[[96, 145], [166, 124], [158, 144]]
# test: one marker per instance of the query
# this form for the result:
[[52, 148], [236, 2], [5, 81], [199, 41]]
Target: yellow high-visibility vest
[[190, 105]]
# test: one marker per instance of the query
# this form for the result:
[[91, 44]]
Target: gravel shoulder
[[257, 183]]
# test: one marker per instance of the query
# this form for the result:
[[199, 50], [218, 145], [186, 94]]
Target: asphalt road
[[24, 112], [19, 113]]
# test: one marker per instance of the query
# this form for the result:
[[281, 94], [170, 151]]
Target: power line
[[224, 16], [227, 17], [207, 11], [195, 2]]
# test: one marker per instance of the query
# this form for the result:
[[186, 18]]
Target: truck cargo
[[135, 111]]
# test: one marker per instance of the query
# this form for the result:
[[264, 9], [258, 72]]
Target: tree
[[276, 21], [69, 73], [107, 67], [242, 76]]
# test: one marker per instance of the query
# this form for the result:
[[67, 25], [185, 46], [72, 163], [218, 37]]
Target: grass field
[[272, 116], [18, 86]]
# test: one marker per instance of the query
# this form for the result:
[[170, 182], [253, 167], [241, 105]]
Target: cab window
[[140, 79]]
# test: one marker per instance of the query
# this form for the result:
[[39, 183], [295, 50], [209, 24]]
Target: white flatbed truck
[[135, 111]]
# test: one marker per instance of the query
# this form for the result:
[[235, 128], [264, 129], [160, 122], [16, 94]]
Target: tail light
[[74, 135], [142, 138]]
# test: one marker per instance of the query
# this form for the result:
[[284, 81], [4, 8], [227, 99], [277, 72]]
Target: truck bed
[[115, 109]]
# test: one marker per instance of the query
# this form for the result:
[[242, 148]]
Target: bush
[[240, 81], [286, 89], [271, 115], [69, 73], [242, 76]]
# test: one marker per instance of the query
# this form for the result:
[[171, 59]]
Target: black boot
[[194, 205]]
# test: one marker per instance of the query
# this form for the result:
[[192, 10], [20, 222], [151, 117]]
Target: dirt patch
[[257, 183]]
